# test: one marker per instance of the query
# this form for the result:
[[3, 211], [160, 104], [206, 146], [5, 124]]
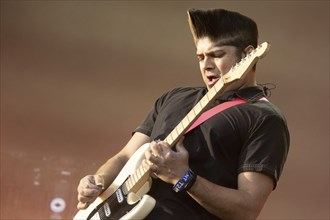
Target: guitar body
[[115, 202]]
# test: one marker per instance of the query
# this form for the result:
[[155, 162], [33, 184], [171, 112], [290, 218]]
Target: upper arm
[[265, 147], [136, 141], [258, 186]]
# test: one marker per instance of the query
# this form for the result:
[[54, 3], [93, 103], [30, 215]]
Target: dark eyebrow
[[219, 43], [212, 52]]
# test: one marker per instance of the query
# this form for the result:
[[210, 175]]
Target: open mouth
[[212, 79]]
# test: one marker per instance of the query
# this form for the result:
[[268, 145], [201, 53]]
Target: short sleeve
[[148, 123], [266, 148]]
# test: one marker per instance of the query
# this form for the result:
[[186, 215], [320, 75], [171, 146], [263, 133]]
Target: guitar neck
[[194, 113]]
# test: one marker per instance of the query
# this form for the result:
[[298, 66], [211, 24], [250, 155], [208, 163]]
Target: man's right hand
[[90, 187]]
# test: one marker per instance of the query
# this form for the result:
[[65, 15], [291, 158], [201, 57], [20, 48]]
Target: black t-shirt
[[247, 137]]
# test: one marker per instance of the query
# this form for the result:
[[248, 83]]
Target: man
[[226, 167]]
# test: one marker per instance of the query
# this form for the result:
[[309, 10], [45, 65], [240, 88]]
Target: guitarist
[[225, 168]]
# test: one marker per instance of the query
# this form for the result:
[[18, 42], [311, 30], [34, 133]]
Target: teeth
[[212, 77]]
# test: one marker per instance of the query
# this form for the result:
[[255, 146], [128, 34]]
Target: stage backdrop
[[78, 76]]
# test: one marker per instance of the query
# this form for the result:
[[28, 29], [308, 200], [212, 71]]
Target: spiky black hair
[[231, 27]]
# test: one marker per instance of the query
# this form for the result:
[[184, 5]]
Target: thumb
[[99, 180], [180, 147]]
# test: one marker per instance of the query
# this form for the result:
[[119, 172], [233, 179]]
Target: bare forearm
[[111, 169]]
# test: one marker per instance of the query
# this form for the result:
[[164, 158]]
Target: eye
[[200, 57], [218, 54]]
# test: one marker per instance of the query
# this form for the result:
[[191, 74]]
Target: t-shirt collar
[[250, 94]]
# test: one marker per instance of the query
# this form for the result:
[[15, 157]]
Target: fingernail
[[100, 185]]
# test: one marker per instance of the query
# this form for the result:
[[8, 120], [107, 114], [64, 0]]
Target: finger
[[85, 199], [151, 157], [85, 195], [82, 205], [148, 154], [147, 164], [154, 168], [156, 149], [88, 182], [163, 146]]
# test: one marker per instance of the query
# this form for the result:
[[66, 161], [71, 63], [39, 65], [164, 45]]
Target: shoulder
[[268, 109], [263, 117], [262, 112], [186, 90], [181, 93], [258, 115]]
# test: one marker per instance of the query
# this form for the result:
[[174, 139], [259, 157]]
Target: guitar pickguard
[[112, 208], [116, 202], [121, 206]]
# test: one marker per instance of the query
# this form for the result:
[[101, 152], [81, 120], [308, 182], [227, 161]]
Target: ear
[[248, 49]]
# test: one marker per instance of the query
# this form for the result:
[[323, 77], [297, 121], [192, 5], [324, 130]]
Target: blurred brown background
[[78, 76]]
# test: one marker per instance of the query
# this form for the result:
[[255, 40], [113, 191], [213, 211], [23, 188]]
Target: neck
[[248, 81]]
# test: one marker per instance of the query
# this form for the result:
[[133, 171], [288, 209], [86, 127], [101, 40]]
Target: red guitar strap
[[217, 109]]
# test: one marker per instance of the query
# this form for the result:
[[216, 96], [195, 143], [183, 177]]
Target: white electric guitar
[[126, 197]]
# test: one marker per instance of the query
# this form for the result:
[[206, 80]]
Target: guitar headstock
[[242, 67]]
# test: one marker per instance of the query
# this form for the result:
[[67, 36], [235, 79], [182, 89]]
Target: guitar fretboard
[[134, 182], [194, 113]]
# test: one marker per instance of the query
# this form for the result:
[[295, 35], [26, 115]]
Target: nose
[[208, 63]]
